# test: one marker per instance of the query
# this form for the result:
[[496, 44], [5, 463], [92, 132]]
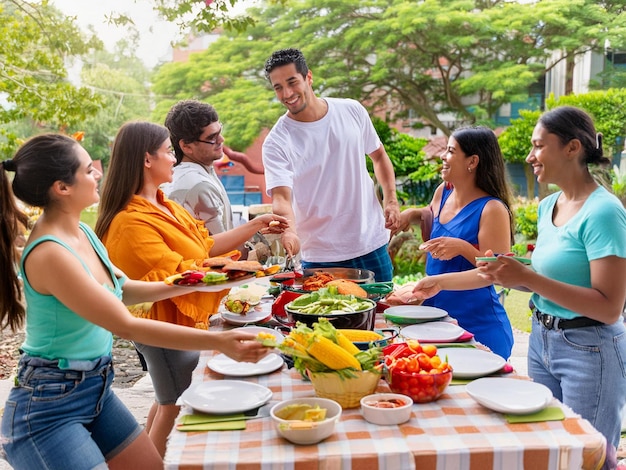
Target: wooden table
[[454, 433]]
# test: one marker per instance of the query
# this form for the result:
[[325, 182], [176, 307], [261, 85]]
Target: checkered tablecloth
[[453, 433]]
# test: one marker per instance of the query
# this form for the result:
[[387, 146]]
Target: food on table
[[237, 306], [193, 277], [360, 336], [302, 412], [317, 280], [269, 270], [345, 287], [267, 339], [416, 370], [327, 300], [387, 403], [324, 349], [237, 269], [217, 263]]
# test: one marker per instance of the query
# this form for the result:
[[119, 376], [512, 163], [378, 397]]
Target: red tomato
[[429, 349]]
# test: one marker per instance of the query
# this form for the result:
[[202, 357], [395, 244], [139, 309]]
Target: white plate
[[254, 315], [470, 363], [216, 287], [433, 332], [222, 364], [413, 313], [261, 329], [513, 396], [225, 396]]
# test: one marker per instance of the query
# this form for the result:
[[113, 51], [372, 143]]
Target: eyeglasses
[[212, 138]]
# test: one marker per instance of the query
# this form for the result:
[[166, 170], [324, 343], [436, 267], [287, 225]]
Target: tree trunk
[[530, 181]]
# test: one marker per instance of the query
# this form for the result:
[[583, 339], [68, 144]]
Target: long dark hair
[[125, 174], [491, 175], [38, 163], [569, 123]]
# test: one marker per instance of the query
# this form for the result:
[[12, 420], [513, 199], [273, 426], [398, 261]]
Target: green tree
[[515, 144], [460, 58], [121, 80], [36, 41], [607, 108]]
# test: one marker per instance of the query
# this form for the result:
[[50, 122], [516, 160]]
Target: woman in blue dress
[[470, 214]]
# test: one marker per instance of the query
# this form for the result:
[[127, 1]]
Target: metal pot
[[361, 320]]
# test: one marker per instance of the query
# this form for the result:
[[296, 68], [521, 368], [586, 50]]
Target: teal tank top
[[55, 332]]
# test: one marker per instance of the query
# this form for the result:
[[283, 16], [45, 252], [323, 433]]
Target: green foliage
[[526, 218], [36, 43], [515, 139], [459, 58], [608, 110], [618, 182]]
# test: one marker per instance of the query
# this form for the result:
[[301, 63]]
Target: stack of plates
[[433, 332]]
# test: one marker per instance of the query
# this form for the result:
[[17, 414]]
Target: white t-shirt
[[338, 216], [199, 190]]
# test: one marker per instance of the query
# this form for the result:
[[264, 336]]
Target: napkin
[[551, 413], [204, 422]]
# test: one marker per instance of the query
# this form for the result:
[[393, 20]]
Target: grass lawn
[[89, 216], [516, 306]]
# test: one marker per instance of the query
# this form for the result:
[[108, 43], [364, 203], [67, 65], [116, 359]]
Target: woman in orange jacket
[[151, 237]]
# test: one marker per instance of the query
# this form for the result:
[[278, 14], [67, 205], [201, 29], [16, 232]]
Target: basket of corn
[[337, 368]]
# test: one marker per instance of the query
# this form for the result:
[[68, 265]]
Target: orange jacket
[[149, 245]]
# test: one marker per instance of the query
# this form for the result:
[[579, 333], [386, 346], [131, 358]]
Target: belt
[[551, 322]]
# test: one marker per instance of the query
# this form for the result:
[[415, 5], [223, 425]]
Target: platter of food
[[226, 396], [506, 395], [256, 314], [218, 277], [222, 364]]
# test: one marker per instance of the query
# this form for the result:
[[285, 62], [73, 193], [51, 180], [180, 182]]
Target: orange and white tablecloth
[[452, 433]]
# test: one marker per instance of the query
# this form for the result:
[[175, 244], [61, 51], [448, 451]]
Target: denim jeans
[[61, 419], [585, 368], [378, 261]]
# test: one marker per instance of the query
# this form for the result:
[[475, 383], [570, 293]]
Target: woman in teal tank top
[[62, 412]]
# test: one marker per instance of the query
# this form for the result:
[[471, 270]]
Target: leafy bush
[[526, 218]]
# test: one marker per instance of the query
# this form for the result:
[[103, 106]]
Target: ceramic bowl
[[386, 408], [307, 433]]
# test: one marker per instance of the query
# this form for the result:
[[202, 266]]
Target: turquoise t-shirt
[[52, 330], [563, 253]]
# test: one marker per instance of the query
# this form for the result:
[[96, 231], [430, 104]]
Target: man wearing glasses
[[196, 136]]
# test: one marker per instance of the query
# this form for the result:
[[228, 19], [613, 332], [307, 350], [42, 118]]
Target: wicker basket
[[344, 390]]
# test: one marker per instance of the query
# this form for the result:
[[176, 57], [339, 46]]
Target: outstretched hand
[[243, 347]]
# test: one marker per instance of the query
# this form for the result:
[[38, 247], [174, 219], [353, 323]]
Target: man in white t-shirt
[[316, 174]]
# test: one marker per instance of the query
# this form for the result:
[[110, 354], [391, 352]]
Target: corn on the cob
[[360, 335], [332, 355], [346, 344], [300, 338]]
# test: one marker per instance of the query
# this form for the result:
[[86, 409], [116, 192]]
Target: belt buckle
[[546, 320]]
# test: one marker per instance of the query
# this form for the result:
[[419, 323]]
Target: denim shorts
[[65, 418], [170, 370]]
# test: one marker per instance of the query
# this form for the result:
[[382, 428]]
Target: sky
[[156, 34]]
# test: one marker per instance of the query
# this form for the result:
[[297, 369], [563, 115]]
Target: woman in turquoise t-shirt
[[62, 413], [577, 347]]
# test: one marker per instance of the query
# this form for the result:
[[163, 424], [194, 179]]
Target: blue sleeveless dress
[[478, 311]]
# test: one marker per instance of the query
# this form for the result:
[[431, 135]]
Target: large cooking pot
[[360, 320]]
